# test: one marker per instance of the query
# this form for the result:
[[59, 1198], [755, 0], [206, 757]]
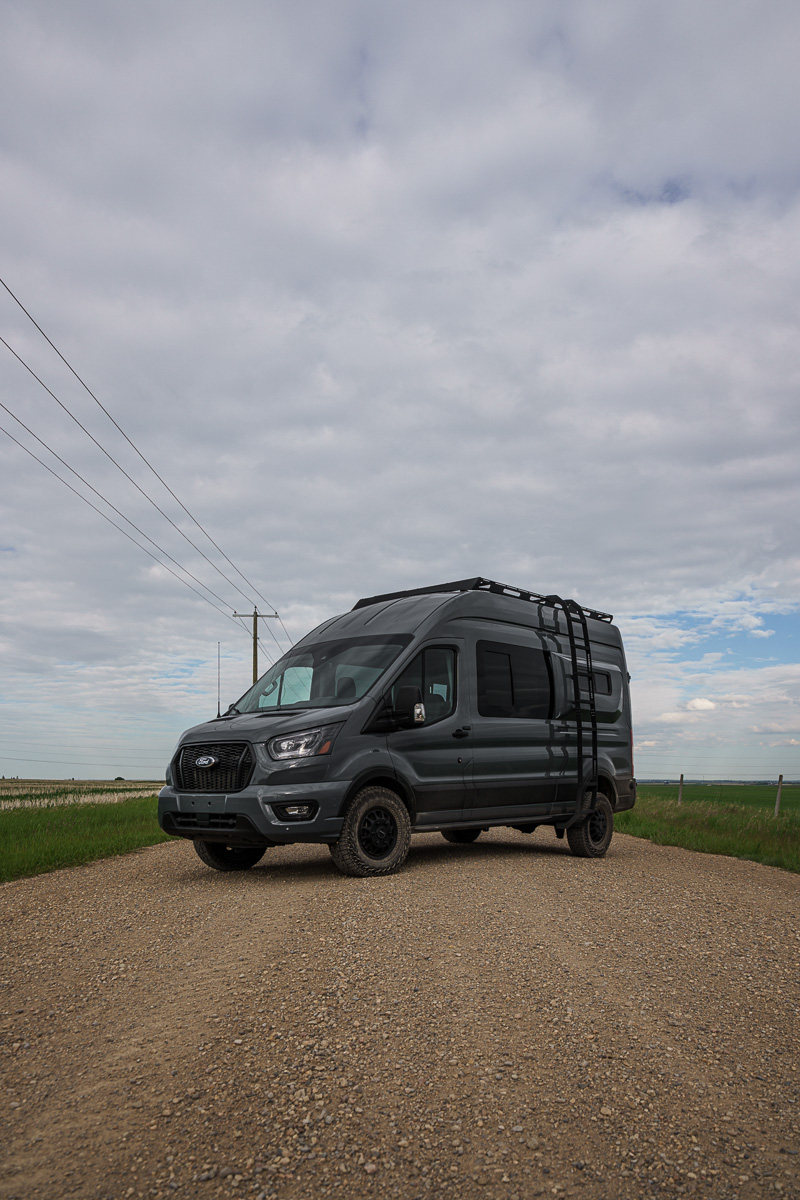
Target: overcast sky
[[391, 294]]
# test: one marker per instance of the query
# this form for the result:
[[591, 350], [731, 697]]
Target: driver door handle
[[461, 733]]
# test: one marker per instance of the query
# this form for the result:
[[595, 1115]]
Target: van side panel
[[515, 764], [528, 769]]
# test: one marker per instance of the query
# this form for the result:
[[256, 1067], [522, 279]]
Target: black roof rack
[[475, 585]]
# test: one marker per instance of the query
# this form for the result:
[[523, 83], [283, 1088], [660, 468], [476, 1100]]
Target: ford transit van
[[457, 707]]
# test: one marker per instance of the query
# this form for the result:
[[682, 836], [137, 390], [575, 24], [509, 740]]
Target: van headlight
[[307, 744]]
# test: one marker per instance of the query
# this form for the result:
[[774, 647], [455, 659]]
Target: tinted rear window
[[513, 681]]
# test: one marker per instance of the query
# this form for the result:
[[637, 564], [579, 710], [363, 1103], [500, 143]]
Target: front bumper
[[249, 817]]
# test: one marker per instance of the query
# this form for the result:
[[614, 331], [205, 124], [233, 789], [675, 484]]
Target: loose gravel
[[498, 1020]]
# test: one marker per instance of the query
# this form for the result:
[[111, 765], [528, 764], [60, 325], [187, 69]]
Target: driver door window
[[433, 671]]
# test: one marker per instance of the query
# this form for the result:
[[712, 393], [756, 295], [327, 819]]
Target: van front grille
[[230, 770]]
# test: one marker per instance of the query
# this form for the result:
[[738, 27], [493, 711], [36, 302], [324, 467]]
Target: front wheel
[[228, 858], [461, 837], [591, 837], [376, 834]]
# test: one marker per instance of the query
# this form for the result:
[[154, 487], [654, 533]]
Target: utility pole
[[255, 615]]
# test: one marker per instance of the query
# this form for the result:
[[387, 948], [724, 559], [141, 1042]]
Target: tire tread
[[347, 853], [578, 837]]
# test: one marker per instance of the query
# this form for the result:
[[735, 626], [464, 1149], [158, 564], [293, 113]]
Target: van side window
[[433, 671], [513, 681], [602, 683]]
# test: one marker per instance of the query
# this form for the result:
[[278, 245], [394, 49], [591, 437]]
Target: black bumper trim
[[233, 830]]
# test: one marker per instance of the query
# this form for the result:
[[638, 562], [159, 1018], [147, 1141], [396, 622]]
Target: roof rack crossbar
[[478, 584]]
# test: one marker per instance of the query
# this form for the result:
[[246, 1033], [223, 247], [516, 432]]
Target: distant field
[[48, 824], [51, 793], [733, 819], [752, 795]]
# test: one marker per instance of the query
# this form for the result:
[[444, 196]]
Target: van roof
[[429, 609], [478, 584]]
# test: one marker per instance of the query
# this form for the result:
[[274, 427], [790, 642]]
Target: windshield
[[326, 675]]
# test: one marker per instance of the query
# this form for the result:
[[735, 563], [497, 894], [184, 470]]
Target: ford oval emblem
[[206, 760]]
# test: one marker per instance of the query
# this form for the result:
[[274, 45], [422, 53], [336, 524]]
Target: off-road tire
[[376, 834], [591, 837], [462, 837], [228, 858]]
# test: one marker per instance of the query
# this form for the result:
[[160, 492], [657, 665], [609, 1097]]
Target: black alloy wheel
[[597, 826], [591, 837], [377, 832], [375, 836]]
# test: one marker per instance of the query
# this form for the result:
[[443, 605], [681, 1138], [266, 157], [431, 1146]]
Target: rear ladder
[[580, 651]]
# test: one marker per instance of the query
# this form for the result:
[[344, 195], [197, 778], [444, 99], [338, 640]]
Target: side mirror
[[408, 707]]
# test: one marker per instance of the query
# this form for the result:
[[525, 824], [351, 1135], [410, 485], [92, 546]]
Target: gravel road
[[498, 1020]]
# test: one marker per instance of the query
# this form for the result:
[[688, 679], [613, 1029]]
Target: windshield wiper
[[277, 710], [232, 711]]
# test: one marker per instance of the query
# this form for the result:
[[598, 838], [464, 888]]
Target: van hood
[[260, 727]]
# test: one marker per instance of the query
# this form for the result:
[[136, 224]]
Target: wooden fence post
[[778, 797], [680, 790]]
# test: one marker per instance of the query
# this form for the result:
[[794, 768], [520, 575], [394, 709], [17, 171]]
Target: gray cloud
[[389, 295]]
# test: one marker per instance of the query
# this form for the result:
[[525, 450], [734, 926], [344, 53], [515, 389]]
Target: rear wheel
[[591, 837], [376, 834], [462, 837], [228, 858]]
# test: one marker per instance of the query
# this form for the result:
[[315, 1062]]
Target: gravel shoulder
[[498, 1020]]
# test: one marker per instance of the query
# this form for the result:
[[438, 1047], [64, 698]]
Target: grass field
[[45, 825], [733, 819], [51, 793], [48, 824]]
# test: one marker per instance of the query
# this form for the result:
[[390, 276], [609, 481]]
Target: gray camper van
[[456, 708]]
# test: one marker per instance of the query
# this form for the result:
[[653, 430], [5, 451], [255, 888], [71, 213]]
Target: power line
[[120, 468], [266, 652], [82, 761], [130, 719], [78, 758], [10, 754], [263, 648], [704, 756], [124, 518], [100, 747], [105, 500], [131, 480], [146, 461], [124, 532]]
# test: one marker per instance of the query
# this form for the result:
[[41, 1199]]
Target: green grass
[[46, 831], [737, 820], [36, 840]]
